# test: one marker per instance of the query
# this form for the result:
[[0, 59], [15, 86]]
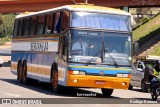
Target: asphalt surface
[[11, 88], [5, 52]]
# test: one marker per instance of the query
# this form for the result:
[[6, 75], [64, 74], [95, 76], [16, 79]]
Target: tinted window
[[65, 20], [20, 27], [26, 26], [49, 22], [101, 21], [32, 25], [15, 28], [40, 24], [57, 23]]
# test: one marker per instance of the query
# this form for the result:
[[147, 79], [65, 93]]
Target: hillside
[[155, 50], [145, 30], [148, 37]]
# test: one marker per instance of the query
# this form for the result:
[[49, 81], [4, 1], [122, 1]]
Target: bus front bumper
[[98, 82]]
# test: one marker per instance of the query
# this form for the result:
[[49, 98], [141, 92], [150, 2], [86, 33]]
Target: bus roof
[[83, 8]]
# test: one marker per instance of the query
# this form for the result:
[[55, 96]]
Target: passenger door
[[63, 65], [133, 74], [139, 73]]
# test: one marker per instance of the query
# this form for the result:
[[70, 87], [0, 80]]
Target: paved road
[[5, 52], [11, 88]]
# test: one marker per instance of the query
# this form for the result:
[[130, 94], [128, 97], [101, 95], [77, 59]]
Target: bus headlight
[[82, 73], [123, 75], [77, 72]]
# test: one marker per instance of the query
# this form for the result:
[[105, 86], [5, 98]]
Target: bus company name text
[[39, 46]]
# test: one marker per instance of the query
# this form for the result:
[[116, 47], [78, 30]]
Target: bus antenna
[[74, 1]]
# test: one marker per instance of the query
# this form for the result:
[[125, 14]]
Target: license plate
[[99, 82]]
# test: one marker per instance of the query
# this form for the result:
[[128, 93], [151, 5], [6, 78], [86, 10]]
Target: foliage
[[5, 39], [150, 28], [6, 27], [1, 19], [143, 21]]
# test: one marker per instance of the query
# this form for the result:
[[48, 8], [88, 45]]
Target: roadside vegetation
[[155, 51], [6, 27], [147, 29], [150, 28]]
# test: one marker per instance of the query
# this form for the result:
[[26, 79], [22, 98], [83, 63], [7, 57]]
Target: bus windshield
[[119, 46], [87, 45], [101, 21]]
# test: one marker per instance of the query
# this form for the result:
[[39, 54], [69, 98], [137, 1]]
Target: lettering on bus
[[39, 46], [85, 33]]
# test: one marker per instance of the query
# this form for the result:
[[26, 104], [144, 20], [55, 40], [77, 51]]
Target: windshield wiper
[[88, 62], [114, 61]]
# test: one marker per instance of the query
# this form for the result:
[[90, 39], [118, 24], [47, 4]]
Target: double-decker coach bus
[[74, 46]]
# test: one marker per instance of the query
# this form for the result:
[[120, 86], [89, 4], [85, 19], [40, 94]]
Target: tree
[[143, 2], [6, 27], [1, 19]]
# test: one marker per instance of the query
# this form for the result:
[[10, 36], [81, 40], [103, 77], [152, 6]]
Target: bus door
[[62, 67]]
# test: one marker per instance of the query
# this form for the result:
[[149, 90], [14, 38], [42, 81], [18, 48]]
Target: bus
[[45, 47]]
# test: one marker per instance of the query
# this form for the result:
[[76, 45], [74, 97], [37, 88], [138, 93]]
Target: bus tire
[[130, 87], [107, 92], [56, 87], [19, 72], [25, 79]]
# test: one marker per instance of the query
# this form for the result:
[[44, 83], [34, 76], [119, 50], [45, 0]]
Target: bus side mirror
[[135, 48]]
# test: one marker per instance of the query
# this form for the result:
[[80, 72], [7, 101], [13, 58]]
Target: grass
[[148, 29], [155, 51], [4, 40]]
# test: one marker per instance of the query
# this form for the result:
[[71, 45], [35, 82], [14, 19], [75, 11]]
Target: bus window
[[33, 26], [40, 24], [57, 23], [49, 22], [53, 23], [26, 27], [65, 20], [23, 25], [44, 26], [15, 28], [20, 27]]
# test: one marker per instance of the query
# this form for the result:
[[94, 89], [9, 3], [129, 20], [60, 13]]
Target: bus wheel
[[130, 87], [56, 87], [107, 92], [19, 72], [25, 79]]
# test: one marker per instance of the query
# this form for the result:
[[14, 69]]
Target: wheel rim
[[55, 80]]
